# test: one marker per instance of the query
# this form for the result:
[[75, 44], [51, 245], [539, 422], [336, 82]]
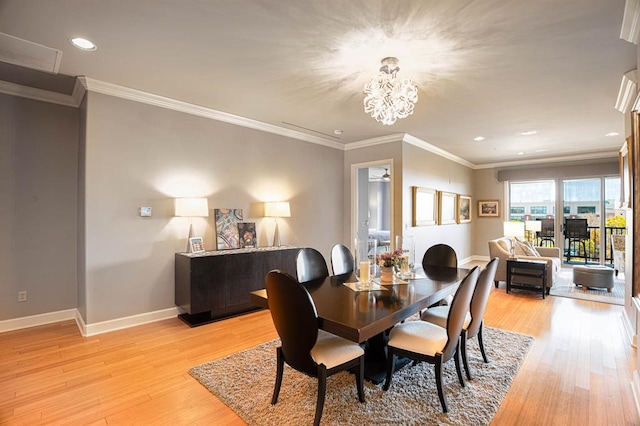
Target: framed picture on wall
[[489, 208], [464, 209], [448, 202], [425, 206]]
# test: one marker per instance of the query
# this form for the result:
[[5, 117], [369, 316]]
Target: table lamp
[[276, 210], [532, 227], [191, 207], [513, 230]]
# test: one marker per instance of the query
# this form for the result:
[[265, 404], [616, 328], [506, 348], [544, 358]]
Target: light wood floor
[[577, 373]]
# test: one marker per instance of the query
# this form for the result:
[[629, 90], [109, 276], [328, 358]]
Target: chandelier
[[388, 98]]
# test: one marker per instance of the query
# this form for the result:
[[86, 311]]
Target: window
[[566, 210], [538, 209], [586, 209], [517, 210]]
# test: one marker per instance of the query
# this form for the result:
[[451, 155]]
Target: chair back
[[310, 265], [481, 296], [458, 311], [295, 318], [547, 227], [576, 229], [341, 260], [440, 255]]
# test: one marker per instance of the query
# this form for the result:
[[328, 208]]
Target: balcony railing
[[589, 250]]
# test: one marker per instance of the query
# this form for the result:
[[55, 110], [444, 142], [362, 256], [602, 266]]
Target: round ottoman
[[595, 276]]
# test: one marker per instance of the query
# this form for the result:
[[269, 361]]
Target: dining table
[[364, 315]]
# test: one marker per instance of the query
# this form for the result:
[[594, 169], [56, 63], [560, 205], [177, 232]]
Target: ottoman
[[595, 276]]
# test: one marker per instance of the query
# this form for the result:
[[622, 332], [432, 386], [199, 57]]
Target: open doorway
[[372, 198]]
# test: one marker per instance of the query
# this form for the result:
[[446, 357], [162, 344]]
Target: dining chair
[[310, 265], [440, 255], [424, 341], [474, 319], [341, 260], [305, 347]]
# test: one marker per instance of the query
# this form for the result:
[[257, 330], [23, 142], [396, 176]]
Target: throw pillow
[[525, 248]]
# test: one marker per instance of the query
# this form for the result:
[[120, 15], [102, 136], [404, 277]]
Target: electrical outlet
[[22, 296]]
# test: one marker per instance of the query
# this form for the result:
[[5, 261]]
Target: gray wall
[[487, 187], [140, 155], [425, 169], [38, 199]]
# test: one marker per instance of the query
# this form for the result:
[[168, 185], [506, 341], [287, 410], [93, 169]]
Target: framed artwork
[[196, 245], [489, 208], [425, 206], [247, 234], [464, 209], [448, 202], [227, 228]]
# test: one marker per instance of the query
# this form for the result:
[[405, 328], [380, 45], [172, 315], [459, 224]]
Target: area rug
[[564, 287], [244, 381]]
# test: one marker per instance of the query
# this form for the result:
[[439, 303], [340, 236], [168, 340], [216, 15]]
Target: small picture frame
[[247, 235], [425, 206], [464, 209], [448, 208], [489, 208], [196, 244]]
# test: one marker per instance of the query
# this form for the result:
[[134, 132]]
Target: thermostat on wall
[[144, 211]]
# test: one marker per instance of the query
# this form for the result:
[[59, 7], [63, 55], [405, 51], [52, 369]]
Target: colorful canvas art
[[247, 234], [227, 228]]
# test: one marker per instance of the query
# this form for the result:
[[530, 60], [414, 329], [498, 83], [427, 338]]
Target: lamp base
[[191, 235], [276, 235]]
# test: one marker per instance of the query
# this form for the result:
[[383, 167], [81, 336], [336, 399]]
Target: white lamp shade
[[192, 207], [277, 209], [533, 225], [513, 229]]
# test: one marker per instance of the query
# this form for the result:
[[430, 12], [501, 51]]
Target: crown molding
[[38, 94], [627, 91], [115, 90], [438, 151], [396, 137], [631, 21]]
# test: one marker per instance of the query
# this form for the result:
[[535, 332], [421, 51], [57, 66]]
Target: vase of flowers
[[389, 261]]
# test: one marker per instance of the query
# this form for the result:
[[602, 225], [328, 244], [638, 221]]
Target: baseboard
[[474, 258], [125, 322], [627, 326], [88, 329], [35, 320]]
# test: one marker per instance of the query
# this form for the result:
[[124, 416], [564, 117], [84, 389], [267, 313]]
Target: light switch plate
[[144, 211]]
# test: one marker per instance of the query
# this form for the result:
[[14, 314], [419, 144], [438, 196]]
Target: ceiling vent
[[27, 54]]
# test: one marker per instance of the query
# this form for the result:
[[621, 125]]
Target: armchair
[[501, 248], [617, 251]]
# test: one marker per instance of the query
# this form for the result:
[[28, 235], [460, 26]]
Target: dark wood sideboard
[[216, 284]]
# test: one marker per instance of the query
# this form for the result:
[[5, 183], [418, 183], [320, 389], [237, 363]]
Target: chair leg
[[359, 376], [443, 401], [279, 371], [481, 343], [322, 388], [463, 351], [391, 362], [456, 359]]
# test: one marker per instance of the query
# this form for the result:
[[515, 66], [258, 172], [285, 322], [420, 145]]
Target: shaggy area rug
[[244, 381], [564, 287]]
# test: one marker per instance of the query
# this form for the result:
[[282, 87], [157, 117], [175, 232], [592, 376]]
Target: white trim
[[438, 151], [36, 320], [37, 94], [635, 387], [575, 157], [125, 322], [397, 137], [630, 28], [188, 108], [627, 91]]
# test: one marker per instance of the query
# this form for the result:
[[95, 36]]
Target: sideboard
[[216, 284]]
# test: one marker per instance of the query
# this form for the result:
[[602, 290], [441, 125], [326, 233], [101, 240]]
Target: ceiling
[[491, 68]]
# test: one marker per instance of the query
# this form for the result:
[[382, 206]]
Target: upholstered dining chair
[[474, 319], [440, 255], [341, 260], [310, 265], [424, 341], [304, 346]]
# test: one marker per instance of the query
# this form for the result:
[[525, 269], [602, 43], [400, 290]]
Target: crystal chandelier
[[388, 98]]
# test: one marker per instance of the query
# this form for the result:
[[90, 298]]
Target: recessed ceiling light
[[612, 134], [82, 43], [542, 150], [479, 138], [529, 133], [337, 132], [520, 153]]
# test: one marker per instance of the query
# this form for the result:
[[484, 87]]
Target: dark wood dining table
[[364, 316]]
